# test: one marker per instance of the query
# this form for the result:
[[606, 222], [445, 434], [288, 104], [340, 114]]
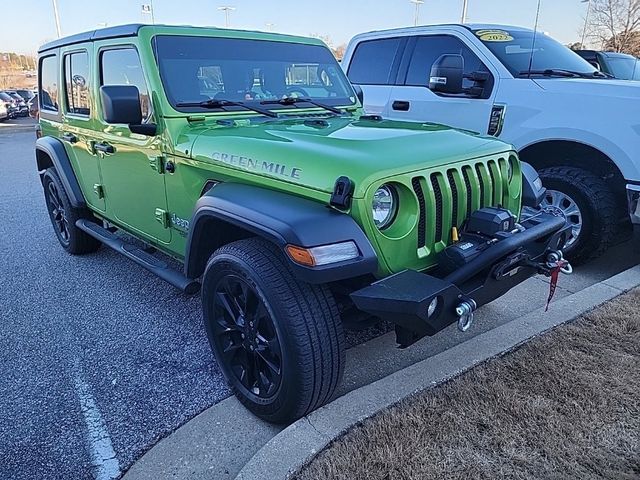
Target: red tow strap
[[553, 283]]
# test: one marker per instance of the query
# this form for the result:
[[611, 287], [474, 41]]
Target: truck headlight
[[385, 205]]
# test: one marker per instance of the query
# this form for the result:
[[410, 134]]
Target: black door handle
[[401, 105], [69, 137], [103, 147]]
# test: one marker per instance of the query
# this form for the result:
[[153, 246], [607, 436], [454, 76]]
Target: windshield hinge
[[157, 163]]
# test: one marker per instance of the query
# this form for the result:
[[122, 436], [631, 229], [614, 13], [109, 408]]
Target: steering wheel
[[299, 92]]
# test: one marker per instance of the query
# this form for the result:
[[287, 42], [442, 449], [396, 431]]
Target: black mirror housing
[[359, 93], [121, 104], [447, 74]]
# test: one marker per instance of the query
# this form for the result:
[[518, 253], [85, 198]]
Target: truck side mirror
[[359, 93], [447, 74], [121, 104]]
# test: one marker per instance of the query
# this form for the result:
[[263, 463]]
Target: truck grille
[[447, 198]]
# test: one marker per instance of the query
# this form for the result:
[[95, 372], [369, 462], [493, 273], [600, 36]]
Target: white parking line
[[103, 456]]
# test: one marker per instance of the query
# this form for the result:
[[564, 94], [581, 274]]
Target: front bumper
[[404, 298], [633, 197]]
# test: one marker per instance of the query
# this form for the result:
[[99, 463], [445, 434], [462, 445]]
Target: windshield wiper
[[554, 72], [221, 103], [295, 100]]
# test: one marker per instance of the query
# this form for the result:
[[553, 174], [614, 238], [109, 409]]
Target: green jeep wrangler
[[246, 157]]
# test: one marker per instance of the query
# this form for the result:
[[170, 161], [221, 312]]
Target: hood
[[621, 89], [314, 152]]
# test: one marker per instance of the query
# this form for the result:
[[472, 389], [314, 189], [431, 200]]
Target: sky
[[337, 19]]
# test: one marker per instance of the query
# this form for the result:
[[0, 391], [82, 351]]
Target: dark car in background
[[620, 65], [20, 103], [10, 103], [27, 95]]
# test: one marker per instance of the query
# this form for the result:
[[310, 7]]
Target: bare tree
[[615, 24]]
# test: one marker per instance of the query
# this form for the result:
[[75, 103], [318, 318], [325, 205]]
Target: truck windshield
[[624, 67], [196, 69], [515, 48]]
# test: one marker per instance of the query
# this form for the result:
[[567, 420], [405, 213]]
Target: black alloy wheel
[[246, 336], [58, 214]]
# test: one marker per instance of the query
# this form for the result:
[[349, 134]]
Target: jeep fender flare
[[54, 149], [281, 218]]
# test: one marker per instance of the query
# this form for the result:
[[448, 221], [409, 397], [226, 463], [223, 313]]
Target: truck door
[[134, 190], [411, 98], [78, 120]]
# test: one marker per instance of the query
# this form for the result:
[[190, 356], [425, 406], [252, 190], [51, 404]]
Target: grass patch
[[564, 406]]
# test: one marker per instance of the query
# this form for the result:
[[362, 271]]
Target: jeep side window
[[121, 66], [76, 78], [49, 83], [372, 61], [429, 48]]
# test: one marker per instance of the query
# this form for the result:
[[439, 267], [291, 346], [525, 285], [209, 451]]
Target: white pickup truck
[[576, 125]]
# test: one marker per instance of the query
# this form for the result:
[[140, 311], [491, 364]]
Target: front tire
[[279, 342], [64, 216], [589, 206]]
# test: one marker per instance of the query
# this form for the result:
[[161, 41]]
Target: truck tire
[[588, 203], [279, 342], [64, 216]]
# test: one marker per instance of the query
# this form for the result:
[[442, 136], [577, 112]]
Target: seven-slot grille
[[447, 199]]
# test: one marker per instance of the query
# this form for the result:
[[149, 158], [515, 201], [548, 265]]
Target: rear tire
[[279, 342], [64, 216], [597, 209]]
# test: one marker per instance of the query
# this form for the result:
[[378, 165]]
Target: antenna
[[533, 42]]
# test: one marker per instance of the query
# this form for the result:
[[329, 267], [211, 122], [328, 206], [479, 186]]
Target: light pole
[[226, 9], [57, 17], [586, 22], [465, 5], [270, 26], [417, 16]]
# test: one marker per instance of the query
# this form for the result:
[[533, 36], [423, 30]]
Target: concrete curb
[[290, 449]]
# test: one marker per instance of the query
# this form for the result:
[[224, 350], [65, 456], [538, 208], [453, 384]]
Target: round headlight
[[384, 206]]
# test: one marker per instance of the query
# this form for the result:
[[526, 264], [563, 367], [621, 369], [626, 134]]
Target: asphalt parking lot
[[100, 359]]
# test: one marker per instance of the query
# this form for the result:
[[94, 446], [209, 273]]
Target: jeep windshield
[[525, 55], [230, 74]]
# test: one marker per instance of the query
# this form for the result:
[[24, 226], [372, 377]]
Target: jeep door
[[78, 120], [411, 98], [134, 190]]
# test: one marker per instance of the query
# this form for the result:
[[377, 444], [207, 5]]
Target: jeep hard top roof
[[132, 30]]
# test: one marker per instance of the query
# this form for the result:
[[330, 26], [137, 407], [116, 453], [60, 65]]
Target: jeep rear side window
[[372, 61], [122, 66], [76, 79], [49, 83], [429, 48]]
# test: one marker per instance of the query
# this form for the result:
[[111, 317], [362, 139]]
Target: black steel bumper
[[404, 298]]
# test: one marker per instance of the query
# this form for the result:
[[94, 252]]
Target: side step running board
[[142, 258]]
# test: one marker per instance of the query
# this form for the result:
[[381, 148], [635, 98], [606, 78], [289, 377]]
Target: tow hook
[[556, 259], [465, 314]]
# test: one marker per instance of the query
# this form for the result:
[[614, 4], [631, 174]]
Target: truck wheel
[[63, 217], [588, 204], [279, 342]]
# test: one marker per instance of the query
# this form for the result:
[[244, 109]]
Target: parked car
[[573, 123], [4, 114], [293, 212], [20, 103], [10, 104], [26, 95], [34, 108], [619, 65]]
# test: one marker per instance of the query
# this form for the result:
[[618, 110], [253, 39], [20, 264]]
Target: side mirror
[[447, 74], [359, 93], [121, 104]]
